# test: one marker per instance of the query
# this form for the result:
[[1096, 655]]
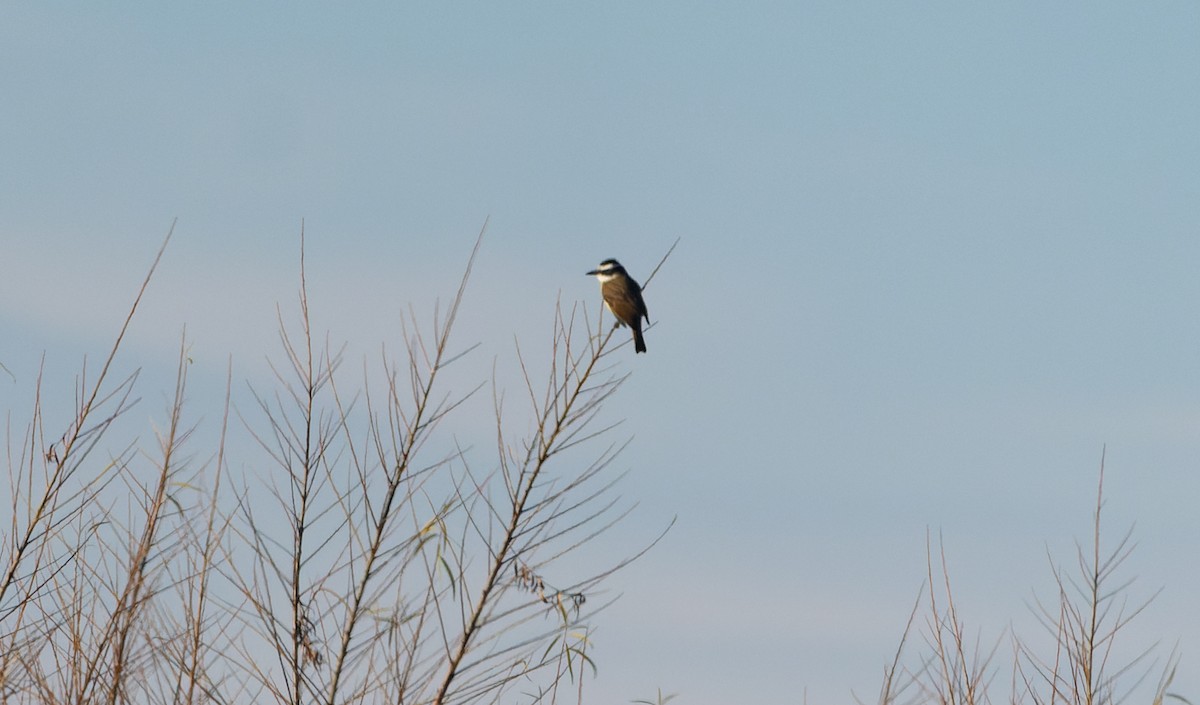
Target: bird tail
[[639, 345]]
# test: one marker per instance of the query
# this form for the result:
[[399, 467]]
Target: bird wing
[[641, 303]]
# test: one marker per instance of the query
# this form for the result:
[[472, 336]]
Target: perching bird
[[623, 297]]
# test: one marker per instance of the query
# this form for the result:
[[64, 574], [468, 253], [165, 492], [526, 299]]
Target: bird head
[[608, 269]]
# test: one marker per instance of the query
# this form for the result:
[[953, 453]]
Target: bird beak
[[593, 272]]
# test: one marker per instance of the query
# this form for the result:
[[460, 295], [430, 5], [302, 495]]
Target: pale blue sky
[[935, 256]]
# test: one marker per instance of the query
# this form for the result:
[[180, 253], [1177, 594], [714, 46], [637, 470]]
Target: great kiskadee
[[623, 297]]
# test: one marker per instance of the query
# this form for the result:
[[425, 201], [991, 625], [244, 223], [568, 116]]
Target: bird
[[623, 297]]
